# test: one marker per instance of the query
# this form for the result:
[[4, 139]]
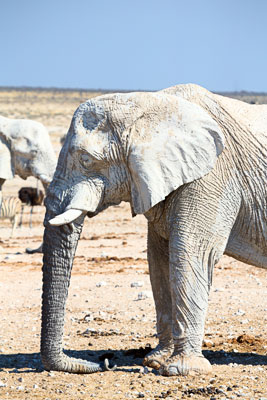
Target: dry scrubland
[[106, 316]]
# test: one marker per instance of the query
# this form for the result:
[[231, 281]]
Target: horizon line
[[68, 89]]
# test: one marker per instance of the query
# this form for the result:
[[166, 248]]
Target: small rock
[[2, 384], [240, 312], [88, 318], [137, 284], [100, 284], [145, 370], [89, 331], [144, 295], [35, 386], [208, 343]]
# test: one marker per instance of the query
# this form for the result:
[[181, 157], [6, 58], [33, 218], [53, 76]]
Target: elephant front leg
[[158, 258], [190, 281]]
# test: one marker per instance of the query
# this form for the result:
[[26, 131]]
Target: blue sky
[[134, 44]]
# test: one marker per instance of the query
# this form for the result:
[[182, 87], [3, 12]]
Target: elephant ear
[[6, 162], [173, 143]]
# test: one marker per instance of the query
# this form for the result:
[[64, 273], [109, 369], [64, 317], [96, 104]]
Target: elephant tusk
[[44, 179], [66, 217]]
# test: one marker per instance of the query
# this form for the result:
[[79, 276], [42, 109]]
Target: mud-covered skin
[[194, 164]]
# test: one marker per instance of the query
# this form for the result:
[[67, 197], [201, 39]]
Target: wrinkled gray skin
[[194, 163], [25, 150]]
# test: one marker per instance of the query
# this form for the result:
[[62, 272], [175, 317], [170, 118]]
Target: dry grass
[[51, 107]]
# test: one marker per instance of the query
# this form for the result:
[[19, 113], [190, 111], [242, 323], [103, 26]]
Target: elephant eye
[[86, 160]]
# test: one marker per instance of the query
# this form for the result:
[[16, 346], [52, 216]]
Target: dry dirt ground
[[110, 311]]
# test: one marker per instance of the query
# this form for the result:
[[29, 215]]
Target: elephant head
[[25, 150], [136, 147]]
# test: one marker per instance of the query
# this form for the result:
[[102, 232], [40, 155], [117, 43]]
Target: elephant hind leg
[[198, 237]]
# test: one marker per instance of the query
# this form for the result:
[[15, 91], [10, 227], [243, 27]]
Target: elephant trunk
[[59, 247]]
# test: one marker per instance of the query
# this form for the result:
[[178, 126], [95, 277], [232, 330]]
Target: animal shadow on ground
[[222, 357], [31, 362]]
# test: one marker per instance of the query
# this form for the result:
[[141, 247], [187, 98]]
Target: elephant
[[25, 150], [194, 163]]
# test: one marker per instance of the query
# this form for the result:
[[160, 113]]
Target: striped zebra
[[10, 209]]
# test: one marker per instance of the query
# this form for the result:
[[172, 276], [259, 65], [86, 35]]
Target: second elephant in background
[[25, 150]]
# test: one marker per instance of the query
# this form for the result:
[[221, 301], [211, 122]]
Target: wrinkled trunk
[[59, 248]]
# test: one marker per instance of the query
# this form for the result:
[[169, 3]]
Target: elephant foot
[[186, 365], [156, 358]]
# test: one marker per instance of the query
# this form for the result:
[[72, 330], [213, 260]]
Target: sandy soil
[[108, 318]]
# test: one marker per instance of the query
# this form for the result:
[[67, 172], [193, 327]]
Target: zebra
[[10, 208]]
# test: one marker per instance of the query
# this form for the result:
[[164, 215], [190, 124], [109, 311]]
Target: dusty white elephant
[[25, 150], [194, 163]]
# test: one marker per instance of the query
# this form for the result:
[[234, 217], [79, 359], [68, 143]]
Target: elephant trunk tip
[[107, 367], [71, 365]]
